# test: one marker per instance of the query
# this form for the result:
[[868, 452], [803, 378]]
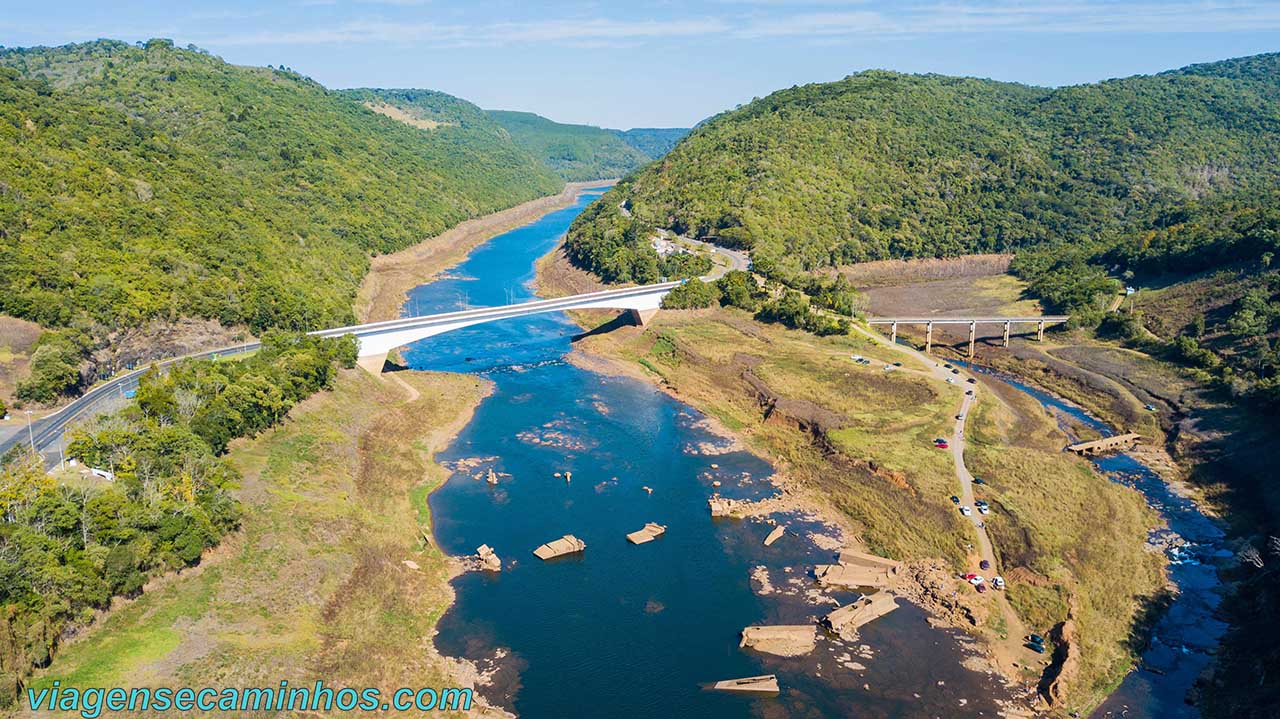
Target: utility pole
[[31, 437]]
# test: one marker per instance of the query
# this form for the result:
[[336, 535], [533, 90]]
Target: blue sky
[[663, 62]]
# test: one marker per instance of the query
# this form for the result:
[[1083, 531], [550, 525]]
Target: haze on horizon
[[658, 63]]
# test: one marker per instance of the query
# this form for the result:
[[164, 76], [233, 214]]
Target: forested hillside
[[883, 165], [144, 183], [581, 152], [654, 142]]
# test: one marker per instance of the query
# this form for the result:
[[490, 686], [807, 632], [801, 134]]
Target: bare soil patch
[[896, 272]]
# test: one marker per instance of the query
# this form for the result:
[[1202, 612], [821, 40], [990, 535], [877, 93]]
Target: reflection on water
[[624, 630]]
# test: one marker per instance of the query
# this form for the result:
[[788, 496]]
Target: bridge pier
[[1006, 334], [973, 334], [893, 333], [373, 363], [1040, 331], [928, 337], [642, 317]]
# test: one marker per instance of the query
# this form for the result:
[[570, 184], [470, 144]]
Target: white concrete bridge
[[379, 338], [1008, 322]]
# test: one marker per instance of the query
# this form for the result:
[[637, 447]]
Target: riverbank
[[390, 278], [330, 577], [856, 440]]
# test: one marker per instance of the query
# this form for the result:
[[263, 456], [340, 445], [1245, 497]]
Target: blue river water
[[623, 630], [1187, 633]]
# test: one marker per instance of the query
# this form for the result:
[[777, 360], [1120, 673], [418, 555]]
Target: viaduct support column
[[928, 337], [893, 333], [1040, 331], [973, 333], [1006, 334]]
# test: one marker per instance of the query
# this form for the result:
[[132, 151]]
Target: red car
[[942, 445]]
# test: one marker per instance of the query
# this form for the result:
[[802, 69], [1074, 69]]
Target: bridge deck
[[963, 320], [1104, 444]]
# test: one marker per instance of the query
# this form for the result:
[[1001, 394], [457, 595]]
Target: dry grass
[[16, 338], [407, 118], [314, 585], [896, 272], [1071, 533]]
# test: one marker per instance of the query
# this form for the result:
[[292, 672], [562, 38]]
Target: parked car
[[939, 440], [966, 511], [978, 480], [955, 499], [981, 588], [1037, 648], [984, 509], [997, 582], [984, 564], [977, 580], [942, 445], [955, 371], [971, 381]]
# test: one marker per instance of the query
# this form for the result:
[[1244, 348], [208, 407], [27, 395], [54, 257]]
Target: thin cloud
[[545, 31]]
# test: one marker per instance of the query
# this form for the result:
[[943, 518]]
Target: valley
[[299, 416]]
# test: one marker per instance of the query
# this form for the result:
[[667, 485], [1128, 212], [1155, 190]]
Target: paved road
[[723, 259], [47, 432]]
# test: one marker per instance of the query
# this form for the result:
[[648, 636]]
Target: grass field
[[1072, 540], [315, 585]]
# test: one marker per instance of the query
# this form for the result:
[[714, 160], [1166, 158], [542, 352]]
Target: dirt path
[[1008, 651], [390, 277]]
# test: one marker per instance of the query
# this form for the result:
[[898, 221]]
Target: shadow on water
[[624, 630]]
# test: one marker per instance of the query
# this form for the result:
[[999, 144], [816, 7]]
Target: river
[[1188, 632], [624, 630]]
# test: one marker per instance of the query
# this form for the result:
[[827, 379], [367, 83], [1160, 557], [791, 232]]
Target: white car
[[984, 510], [951, 380], [966, 511], [976, 581], [997, 582]]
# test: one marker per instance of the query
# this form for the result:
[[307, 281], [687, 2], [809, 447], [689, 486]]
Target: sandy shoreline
[[391, 277]]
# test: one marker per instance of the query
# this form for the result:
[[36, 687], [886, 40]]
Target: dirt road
[[1007, 650]]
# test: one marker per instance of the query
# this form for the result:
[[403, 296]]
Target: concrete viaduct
[[973, 322], [378, 338]]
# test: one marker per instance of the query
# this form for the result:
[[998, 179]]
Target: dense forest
[[67, 549], [882, 165], [144, 183], [582, 152], [654, 142]]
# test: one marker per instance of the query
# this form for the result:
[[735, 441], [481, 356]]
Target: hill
[[883, 165], [150, 183], [579, 152], [653, 141]]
